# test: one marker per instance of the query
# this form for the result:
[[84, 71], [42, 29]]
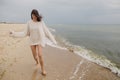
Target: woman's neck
[[34, 20]]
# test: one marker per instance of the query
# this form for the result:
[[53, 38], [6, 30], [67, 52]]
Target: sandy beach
[[17, 63]]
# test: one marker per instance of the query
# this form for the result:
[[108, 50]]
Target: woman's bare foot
[[36, 64], [43, 73]]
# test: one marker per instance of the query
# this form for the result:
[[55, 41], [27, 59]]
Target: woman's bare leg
[[41, 59], [35, 55]]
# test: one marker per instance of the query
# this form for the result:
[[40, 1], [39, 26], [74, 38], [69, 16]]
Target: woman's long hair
[[36, 13]]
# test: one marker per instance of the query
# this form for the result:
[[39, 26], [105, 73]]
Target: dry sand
[[17, 63]]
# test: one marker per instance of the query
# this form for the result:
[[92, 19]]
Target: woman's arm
[[48, 33], [20, 34]]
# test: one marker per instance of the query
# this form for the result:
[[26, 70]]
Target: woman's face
[[34, 17]]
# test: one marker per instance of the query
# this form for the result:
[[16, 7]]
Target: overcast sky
[[62, 11]]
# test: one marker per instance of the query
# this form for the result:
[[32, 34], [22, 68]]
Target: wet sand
[[17, 63]]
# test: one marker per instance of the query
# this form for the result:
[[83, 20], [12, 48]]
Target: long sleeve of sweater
[[48, 33], [22, 33]]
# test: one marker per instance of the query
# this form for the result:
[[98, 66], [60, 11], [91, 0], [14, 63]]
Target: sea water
[[99, 43]]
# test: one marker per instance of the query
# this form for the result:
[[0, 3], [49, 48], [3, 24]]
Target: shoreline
[[90, 56], [17, 62]]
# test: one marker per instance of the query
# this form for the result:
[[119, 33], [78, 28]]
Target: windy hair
[[36, 13]]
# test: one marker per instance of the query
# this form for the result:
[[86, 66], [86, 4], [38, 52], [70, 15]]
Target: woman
[[37, 32]]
